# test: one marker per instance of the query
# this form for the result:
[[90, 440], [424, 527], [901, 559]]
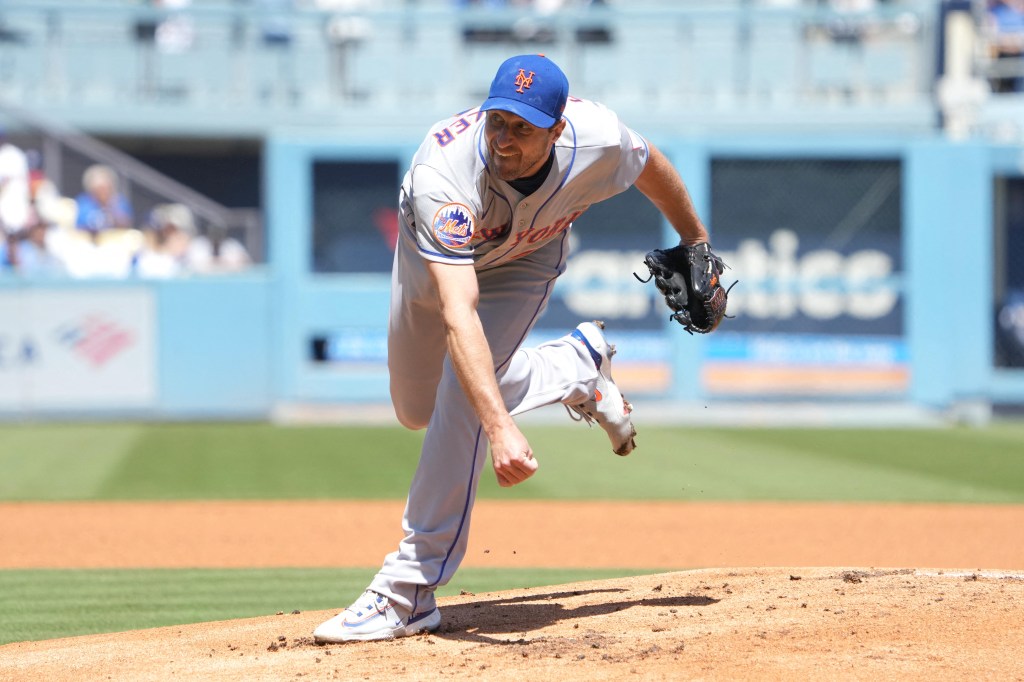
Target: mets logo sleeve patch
[[453, 226]]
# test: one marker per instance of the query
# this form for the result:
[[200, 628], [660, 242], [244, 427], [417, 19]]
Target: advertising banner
[[77, 349], [815, 244], [816, 247]]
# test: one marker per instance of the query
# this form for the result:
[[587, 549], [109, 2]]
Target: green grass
[[203, 461], [934, 465], [48, 604], [261, 461]]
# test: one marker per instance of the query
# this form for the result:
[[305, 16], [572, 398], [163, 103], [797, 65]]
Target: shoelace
[[372, 605], [583, 416]]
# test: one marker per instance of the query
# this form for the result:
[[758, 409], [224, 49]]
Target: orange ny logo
[[524, 81]]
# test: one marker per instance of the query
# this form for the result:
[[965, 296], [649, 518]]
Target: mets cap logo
[[523, 81], [453, 225]]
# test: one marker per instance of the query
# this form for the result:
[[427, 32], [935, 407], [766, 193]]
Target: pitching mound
[[798, 623]]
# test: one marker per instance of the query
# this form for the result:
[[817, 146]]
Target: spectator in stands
[[535, 28], [35, 258], [346, 30], [47, 204], [225, 254], [171, 31], [851, 23], [276, 27], [1006, 29], [14, 200], [176, 32], [174, 247], [277, 35], [14, 188], [523, 30], [593, 33], [101, 206], [168, 240]]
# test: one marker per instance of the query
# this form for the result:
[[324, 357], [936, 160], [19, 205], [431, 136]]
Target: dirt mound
[[802, 623]]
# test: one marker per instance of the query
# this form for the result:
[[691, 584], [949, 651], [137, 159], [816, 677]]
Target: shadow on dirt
[[472, 621]]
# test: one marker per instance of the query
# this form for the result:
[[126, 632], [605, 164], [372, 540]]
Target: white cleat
[[374, 617], [607, 407]]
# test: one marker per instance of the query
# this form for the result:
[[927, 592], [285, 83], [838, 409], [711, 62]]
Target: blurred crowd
[[44, 233], [1005, 32], [345, 28]]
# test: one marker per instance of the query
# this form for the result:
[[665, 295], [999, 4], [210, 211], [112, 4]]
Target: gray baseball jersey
[[453, 210], [460, 213]]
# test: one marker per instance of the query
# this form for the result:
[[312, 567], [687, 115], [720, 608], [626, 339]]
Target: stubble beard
[[507, 168], [512, 167]]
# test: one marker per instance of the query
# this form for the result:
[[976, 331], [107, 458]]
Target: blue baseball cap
[[531, 86]]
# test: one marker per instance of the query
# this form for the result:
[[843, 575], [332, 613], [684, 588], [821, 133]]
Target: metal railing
[[142, 185]]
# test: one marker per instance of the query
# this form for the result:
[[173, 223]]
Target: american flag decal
[[95, 339]]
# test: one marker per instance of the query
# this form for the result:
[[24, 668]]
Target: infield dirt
[[880, 609]]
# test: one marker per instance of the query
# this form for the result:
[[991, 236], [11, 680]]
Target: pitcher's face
[[517, 148]]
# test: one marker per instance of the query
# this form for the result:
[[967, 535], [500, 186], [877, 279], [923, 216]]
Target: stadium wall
[[878, 302], [177, 349]]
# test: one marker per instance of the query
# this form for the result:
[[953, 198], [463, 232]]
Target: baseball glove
[[690, 279]]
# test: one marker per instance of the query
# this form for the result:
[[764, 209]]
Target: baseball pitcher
[[485, 213]]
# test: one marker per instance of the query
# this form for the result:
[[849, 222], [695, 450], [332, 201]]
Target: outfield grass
[[261, 461]]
